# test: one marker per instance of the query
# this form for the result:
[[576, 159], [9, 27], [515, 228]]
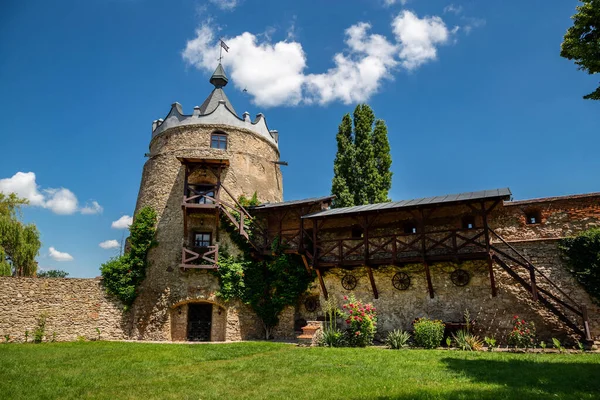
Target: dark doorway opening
[[199, 322]]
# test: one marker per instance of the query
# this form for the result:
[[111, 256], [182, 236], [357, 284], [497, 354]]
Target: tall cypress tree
[[362, 164], [343, 179], [383, 161]]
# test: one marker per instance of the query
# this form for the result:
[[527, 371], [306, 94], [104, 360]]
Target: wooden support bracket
[[372, 279], [429, 283], [322, 283]]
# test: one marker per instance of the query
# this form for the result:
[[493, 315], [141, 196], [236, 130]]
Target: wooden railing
[[444, 244], [195, 258], [201, 199], [542, 288]]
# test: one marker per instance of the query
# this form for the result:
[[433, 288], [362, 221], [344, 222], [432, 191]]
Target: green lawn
[[105, 370]]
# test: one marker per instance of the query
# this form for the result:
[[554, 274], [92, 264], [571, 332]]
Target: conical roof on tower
[[216, 109], [219, 80]]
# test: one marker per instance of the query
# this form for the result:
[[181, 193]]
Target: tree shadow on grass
[[516, 379], [542, 378]]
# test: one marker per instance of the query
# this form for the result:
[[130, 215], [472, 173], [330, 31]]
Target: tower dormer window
[[218, 140]]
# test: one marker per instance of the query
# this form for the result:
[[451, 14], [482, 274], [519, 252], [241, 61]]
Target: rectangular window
[[533, 217], [218, 141], [202, 191], [468, 222], [202, 239]]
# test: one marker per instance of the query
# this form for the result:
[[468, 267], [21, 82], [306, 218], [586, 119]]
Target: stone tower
[[197, 168]]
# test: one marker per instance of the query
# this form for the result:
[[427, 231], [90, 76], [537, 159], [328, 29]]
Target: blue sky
[[474, 94]]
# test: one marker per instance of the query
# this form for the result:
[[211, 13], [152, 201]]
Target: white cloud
[[274, 72], [122, 223], [93, 208], [392, 2], [23, 184], [59, 256], [110, 244], [227, 5], [357, 74], [418, 38], [451, 8], [60, 201]]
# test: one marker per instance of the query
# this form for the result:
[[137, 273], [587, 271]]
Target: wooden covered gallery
[[444, 229]]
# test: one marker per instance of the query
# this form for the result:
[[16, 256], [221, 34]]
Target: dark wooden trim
[[322, 283], [488, 249], [372, 279]]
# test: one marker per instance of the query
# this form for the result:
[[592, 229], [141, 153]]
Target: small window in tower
[[218, 141], [202, 239], [533, 217], [410, 227], [468, 222], [357, 232]]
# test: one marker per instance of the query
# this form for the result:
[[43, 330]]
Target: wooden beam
[[322, 283], [488, 250], [429, 283], [305, 262], [372, 279], [315, 245]]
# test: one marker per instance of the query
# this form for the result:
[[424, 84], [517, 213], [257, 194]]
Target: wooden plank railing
[[542, 288], [198, 259], [394, 247]]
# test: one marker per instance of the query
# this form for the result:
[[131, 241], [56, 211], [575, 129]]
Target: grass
[[262, 370]]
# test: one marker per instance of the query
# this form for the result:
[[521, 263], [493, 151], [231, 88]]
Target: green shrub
[[522, 334], [467, 341], [428, 333], [491, 343], [361, 320], [558, 345], [582, 257], [122, 275], [40, 330], [332, 338], [397, 339]]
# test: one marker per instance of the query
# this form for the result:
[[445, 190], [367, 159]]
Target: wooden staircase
[[542, 288]]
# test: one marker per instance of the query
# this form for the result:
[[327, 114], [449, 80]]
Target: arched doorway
[[199, 322]]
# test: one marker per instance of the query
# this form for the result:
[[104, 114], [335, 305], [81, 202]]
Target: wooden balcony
[[195, 200], [446, 245], [200, 258]]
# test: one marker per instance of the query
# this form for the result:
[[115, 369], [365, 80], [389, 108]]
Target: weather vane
[[223, 46]]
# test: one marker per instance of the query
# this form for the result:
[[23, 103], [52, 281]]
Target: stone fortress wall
[[74, 308]]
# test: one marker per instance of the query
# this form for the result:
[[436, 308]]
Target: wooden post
[[315, 245], [372, 279], [534, 291], [488, 249], [424, 254], [322, 283]]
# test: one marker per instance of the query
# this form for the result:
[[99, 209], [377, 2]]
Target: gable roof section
[[503, 194]]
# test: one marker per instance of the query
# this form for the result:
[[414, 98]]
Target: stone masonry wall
[[74, 307]]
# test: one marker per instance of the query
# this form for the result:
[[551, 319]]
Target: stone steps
[[310, 334]]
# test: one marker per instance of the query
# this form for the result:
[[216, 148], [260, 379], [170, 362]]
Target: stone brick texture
[[74, 308]]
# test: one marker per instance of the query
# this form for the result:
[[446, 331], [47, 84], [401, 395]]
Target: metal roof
[[212, 102], [292, 203], [425, 201]]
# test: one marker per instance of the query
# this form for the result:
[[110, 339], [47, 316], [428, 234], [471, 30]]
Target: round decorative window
[[349, 282], [460, 277], [311, 304], [401, 281]]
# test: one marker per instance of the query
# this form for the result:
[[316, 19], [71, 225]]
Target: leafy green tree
[[362, 164], [53, 273], [582, 41], [122, 275], [19, 243]]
